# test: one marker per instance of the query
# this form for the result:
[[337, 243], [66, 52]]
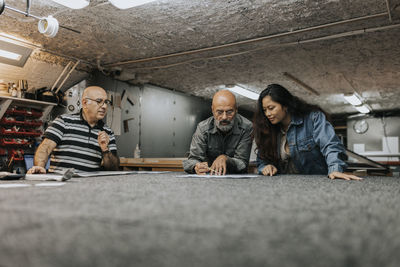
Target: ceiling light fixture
[[74, 4], [10, 55], [14, 54], [124, 4], [244, 92], [363, 109], [353, 99], [48, 26], [15, 40], [2, 6], [358, 102]]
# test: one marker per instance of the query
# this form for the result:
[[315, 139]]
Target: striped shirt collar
[[99, 124]]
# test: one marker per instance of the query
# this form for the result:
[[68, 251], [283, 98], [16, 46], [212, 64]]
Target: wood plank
[[151, 165], [168, 169], [28, 102], [162, 164], [151, 160], [4, 106]]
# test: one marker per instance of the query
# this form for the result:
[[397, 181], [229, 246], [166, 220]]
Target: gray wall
[[377, 129], [169, 120], [162, 120]]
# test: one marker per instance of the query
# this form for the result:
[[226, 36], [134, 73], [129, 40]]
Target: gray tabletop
[[163, 220]]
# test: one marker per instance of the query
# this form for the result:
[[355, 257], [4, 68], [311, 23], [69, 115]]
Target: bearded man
[[221, 143]]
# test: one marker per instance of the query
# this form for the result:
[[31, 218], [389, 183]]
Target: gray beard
[[224, 128]]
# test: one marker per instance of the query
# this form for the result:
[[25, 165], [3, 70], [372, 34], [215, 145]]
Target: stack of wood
[[4, 89]]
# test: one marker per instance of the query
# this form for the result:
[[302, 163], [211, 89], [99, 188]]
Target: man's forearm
[[189, 164], [110, 162], [41, 158], [43, 152], [237, 165]]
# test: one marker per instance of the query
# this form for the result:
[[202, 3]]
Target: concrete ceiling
[[214, 43]]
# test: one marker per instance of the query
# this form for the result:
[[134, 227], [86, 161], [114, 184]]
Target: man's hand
[[103, 140], [36, 169], [219, 165], [201, 168], [269, 170], [344, 176], [42, 155]]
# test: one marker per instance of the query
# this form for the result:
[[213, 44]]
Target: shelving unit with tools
[[21, 122], [22, 117]]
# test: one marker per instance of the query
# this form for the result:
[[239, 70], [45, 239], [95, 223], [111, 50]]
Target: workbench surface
[[163, 220]]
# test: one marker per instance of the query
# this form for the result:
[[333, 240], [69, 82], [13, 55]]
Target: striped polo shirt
[[77, 145]]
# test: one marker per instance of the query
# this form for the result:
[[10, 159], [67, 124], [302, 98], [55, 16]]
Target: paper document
[[150, 172], [13, 185], [102, 173], [49, 184], [233, 176], [108, 173], [60, 176], [45, 177]]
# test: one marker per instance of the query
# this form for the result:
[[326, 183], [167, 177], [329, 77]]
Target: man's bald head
[[93, 92], [225, 98]]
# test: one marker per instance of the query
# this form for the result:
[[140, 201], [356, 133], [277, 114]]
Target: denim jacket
[[314, 146]]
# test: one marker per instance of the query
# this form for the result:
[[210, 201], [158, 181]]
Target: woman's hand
[[269, 170], [341, 175]]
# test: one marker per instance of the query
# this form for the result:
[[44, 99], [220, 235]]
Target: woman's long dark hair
[[265, 133]]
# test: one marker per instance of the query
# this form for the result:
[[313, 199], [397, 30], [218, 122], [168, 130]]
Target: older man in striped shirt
[[81, 141]]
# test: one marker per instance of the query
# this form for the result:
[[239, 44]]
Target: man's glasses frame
[[228, 113], [100, 102]]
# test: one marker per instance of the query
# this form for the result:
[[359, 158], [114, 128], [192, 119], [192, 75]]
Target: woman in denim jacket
[[295, 137]]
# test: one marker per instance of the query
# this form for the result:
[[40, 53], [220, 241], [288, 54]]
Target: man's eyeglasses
[[100, 102], [227, 112]]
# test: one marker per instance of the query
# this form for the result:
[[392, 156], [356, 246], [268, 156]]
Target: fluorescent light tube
[[10, 38], [124, 4], [74, 4], [17, 41], [10, 55], [362, 109], [244, 92], [353, 99]]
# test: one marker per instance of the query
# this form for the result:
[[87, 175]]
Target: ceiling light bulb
[[10, 55], [124, 4], [244, 92], [74, 4], [362, 109], [48, 26], [353, 99]]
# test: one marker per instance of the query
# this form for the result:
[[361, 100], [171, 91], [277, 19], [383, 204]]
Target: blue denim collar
[[296, 120]]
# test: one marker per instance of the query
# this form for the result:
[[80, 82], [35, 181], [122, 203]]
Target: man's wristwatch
[[105, 152]]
